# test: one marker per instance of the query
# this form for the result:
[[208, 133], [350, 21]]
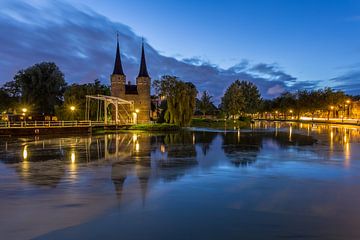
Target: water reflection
[[136, 164], [167, 157]]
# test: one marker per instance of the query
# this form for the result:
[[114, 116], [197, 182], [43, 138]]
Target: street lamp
[[24, 110], [72, 109], [348, 108]]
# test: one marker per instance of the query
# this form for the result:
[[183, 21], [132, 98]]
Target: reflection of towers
[[119, 173], [143, 172]]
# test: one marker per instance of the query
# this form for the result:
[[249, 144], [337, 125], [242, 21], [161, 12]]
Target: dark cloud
[[82, 43], [348, 82]]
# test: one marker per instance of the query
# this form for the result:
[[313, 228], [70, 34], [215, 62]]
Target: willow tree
[[180, 97]]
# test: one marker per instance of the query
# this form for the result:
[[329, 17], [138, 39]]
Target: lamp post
[[24, 111], [332, 110], [291, 112], [348, 108]]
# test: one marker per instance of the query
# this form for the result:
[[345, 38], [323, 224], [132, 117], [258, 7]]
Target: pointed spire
[[118, 66], [143, 69]]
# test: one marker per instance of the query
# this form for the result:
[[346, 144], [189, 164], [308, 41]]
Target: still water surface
[[275, 181]]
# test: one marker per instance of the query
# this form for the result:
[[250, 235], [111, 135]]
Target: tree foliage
[[241, 97], [205, 104], [306, 101], [75, 95], [180, 97], [39, 87]]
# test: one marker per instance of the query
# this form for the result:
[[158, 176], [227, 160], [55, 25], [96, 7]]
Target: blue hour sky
[[278, 44], [311, 39]]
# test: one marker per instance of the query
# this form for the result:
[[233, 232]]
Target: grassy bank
[[220, 123]]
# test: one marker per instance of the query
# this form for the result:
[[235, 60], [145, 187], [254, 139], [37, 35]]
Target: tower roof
[[118, 66], [143, 69]]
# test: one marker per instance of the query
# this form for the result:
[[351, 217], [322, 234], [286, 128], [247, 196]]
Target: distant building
[[138, 93]]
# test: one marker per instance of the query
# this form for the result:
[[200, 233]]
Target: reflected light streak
[[25, 153], [134, 138], [72, 157], [347, 153], [25, 163], [162, 148]]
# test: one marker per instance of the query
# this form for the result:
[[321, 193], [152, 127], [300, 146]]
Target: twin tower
[[139, 93]]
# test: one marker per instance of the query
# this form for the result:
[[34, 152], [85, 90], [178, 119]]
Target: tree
[[252, 97], [180, 97], [233, 100], [205, 103], [7, 103], [41, 87], [75, 95]]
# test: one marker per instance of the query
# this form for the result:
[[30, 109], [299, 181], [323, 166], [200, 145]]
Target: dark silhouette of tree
[[40, 87], [205, 104]]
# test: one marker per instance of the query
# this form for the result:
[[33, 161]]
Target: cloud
[[275, 90], [82, 43], [348, 82]]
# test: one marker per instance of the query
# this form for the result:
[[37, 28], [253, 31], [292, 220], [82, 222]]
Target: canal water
[[274, 181]]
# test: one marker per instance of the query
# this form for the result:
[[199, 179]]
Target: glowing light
[[72, 108], [332, 107], [347, 154], [24, 110], [134, 138], [137, 147], [162, 148], [25, 153], [137, 110], [193, 138], [347, 101], [72, 157], [291, 111]]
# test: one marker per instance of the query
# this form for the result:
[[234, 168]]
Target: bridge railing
[[32, 124]]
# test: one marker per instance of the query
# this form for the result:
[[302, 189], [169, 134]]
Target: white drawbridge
[[122, 110]]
